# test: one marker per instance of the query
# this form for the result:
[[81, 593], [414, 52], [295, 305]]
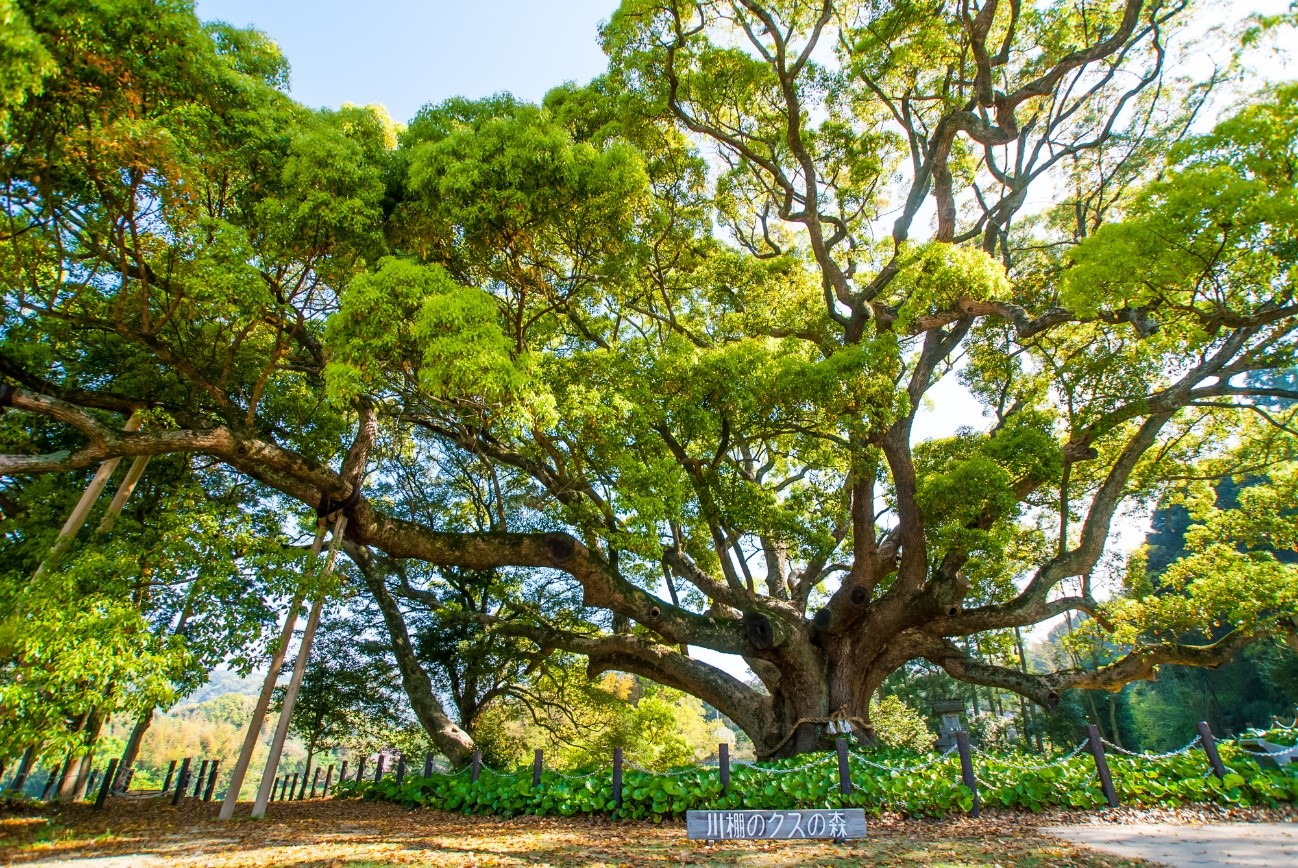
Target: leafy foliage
[[811, 781]]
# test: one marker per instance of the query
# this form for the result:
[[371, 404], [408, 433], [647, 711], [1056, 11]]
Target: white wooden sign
[[831, 823]]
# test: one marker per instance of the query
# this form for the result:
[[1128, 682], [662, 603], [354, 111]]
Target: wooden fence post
[[90, 786], [107, 783], [844, 770], [329, 779], [723, 765], [1101, 764], [476, 769], [181, 780], [171, 772], [378, 769], [130, 776], [211, 781], [342, 772], [315, 781], [617, 776], [536, 768], [401, 769], [360, 770], [200, 779], [1210, 748], [966, 770], [428, 765]]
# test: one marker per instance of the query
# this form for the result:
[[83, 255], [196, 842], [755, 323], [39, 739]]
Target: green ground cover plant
[[913, 784]]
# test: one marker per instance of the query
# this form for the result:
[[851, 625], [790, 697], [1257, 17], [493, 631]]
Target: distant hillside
[[221, 682]]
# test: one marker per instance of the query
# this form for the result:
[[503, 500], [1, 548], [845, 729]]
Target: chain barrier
[[1033, 768], [580, 777], [902, 769], [1151, 756], [670, 773], [1290, 752], [802, 768]]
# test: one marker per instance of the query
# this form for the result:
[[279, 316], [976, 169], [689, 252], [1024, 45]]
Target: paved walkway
[[1216, 845]]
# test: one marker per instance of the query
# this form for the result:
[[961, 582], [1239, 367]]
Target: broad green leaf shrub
[[922, 786]]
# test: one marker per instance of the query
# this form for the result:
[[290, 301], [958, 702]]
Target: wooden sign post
[[835, 824]]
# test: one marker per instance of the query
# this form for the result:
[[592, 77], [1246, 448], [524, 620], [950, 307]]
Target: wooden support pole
[[107, 783], [401, 769], [476, 770], [844, 770], [171, 771], [1101, 764], [181, 780], [299, 668], [617, 776], [200, 779], [1210, 748], [723, 765], [81, 511], [428, 765], [211, 780], [537, 763], [378, 769], [124, 492], [263, 704], [967, 771]]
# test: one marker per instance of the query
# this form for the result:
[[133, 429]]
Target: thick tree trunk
[[132, 749], [24, 769], [450, 739]]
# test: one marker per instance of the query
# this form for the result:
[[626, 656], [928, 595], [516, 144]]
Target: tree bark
[[451, 739]]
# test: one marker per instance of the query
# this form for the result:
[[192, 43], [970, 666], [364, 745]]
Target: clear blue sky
[[404, 54]]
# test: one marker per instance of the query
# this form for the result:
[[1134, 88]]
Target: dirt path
[[370, 835], [1214, 845]]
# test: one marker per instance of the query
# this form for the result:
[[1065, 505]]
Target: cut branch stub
[[758, 629], [859, 596], [560, 547], [821, 619]]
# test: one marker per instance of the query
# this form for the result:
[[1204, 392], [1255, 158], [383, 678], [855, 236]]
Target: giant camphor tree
[[685, 318]]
